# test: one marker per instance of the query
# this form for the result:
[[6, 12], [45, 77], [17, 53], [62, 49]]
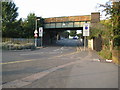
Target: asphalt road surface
[[65, 65]]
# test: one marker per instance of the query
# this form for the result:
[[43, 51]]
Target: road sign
[[40, 31], [35, 35], [86, 30], [35, 31]]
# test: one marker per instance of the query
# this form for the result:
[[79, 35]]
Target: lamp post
[[35, 32]]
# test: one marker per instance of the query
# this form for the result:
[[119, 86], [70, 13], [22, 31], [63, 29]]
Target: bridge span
[[52, 26]]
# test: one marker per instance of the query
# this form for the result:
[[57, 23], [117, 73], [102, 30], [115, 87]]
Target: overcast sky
[[56, 8]]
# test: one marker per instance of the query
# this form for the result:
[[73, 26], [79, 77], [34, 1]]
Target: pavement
[[87, 70]]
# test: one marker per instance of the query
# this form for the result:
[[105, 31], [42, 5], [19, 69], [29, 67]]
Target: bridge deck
[[66, 22]]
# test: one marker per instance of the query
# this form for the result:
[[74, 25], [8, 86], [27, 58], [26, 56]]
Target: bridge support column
[[95, 17], [46, 38], [97, 41], [58, 36]]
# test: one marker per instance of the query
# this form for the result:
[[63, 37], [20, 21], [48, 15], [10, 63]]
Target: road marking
[[77, 51], [17, 61], [65, 54], [54, 51], [32, 53]]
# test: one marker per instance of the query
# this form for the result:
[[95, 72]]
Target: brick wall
[[95, 17]]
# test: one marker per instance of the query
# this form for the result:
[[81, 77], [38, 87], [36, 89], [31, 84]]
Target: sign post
[[41, 34], [35, 35], [86, 32]]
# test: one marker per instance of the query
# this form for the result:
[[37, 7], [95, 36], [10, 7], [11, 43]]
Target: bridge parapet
[[71, 21], [67, 19], [66, 22]]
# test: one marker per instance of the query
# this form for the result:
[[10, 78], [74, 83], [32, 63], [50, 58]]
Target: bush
[[106, 54], [117, 40], [18, 46]]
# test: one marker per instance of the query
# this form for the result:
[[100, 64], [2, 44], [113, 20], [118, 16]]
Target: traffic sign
[[86, 30], [40, 31], [35, 31], [35, 35]]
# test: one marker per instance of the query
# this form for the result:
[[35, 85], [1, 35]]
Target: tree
[[80, 35], [113, 10], [9, 11], [65, 34], [73, 33], [10, 26], [29, 25], [9, 15]]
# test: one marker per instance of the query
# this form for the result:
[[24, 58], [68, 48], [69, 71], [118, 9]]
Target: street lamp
[[35, 32]]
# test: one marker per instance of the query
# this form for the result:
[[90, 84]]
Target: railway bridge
[[54, 25]]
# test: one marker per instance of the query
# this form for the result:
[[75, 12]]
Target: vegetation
[[108, 29], [113, 9], [13, 28], [80, 35], [106, 54], [64, 34], [9, 23], [73, 33], [17, 46]]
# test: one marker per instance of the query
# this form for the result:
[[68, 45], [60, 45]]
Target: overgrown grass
[[106, 54]]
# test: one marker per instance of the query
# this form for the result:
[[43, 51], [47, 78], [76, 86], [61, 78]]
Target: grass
[[106, 54]]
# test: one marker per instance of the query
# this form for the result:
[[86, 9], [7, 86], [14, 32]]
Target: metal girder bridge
[[66, 23]]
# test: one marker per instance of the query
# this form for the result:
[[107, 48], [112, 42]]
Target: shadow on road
[[68, 43]]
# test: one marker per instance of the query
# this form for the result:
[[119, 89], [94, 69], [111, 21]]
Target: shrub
[[18, 46], [106, 54], [117, 40]]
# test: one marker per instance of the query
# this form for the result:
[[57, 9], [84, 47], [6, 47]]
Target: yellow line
[[17, 61], [77, 50]]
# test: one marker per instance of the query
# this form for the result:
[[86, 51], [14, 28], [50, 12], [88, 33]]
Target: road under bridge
[[55, 25]]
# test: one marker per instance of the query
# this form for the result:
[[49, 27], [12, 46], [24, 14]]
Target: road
[[64, 65]]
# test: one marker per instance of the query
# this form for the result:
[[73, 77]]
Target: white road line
[[56, 50], [51, 52], [32, 53]]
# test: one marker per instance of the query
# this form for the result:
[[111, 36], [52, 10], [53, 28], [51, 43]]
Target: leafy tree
[[80, 35], [9, 15], [65, 34], [29, 25], [73, 33], [113, 9], [9, 11], [109, 29]]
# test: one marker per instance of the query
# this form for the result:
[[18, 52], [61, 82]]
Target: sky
[[56, 8]]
